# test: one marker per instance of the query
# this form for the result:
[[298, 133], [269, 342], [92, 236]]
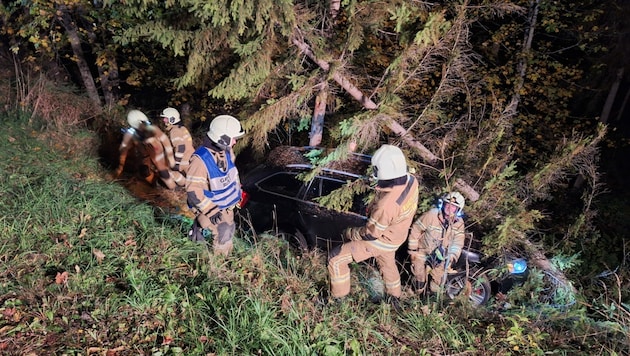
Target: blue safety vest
[[225, 188]]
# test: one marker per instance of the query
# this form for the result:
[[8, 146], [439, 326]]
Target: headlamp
[[517, 266]]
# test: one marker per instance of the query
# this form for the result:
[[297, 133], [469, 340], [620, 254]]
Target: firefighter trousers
[[222, 231], [420, 270], [357, 251]]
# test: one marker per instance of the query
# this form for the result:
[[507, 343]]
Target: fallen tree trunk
[[537, 256], [426, 154]]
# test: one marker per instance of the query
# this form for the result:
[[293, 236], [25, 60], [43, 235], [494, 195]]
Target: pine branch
[[270, 116]]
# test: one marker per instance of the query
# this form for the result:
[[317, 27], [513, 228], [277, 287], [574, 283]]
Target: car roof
[[328, 171], [293, 157]]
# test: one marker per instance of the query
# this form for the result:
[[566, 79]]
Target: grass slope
[[87, 269]]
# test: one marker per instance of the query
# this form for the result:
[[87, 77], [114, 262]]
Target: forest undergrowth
[[86, 268]]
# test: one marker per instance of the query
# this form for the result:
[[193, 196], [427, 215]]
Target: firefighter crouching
[[182, 143], [439, 232], [391, 214], [213, 185], [155, 142]]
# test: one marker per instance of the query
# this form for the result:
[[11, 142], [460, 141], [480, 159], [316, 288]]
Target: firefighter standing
[[182, 144], [213, 185], [439, 232], [391, 214], [155, 142]]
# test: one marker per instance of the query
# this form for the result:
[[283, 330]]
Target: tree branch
[[392, 124]]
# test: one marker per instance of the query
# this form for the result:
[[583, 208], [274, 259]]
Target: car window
[[321, 186], [284, 183]]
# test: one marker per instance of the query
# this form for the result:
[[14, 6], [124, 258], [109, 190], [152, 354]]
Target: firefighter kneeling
[[438, 234]]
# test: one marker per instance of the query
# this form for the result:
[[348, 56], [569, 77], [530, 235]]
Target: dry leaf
[[83, 233], [61, 278], [100, 256], [11, 139], [167, 340], [425, 310]]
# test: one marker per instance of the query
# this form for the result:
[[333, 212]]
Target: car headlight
[[517, 266]]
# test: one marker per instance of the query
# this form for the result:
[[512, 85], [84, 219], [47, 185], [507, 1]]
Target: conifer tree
[[476, 92]]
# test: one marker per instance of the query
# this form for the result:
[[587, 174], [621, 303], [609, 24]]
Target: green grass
[[87, 268]]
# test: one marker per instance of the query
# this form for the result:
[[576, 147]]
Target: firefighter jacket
[[212, 181], [433, 230], [182, 146], [157, 144], [392, 212]]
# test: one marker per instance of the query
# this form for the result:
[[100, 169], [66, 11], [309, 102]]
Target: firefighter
[[439, 233], [155, 143], [213, 185], [182, 144], [391, 214]]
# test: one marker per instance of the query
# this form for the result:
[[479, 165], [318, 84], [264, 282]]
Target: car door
[[273, 202], [325, 226]]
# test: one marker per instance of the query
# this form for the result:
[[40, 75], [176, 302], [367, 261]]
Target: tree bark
[[512, 108], [341, 80], [610, 100], [84, 69], [108, 75], [317, 123], [424, 152], [541, 261]]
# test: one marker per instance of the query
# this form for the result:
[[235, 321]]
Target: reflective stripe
[[225, 190], [377, 225], [383, 246], [393, 285]]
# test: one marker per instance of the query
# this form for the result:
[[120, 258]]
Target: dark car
[[277, 199]]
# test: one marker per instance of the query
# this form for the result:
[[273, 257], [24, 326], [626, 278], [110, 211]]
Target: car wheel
[[295, 239], [477, 288]]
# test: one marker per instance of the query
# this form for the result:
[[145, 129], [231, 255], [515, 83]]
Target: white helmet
[[223, 129], [389, 162], [172, 115], [455, 198], [136, 117]]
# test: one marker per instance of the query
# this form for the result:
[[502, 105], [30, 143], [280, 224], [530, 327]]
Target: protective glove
[[216, 218], [353, 234]]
